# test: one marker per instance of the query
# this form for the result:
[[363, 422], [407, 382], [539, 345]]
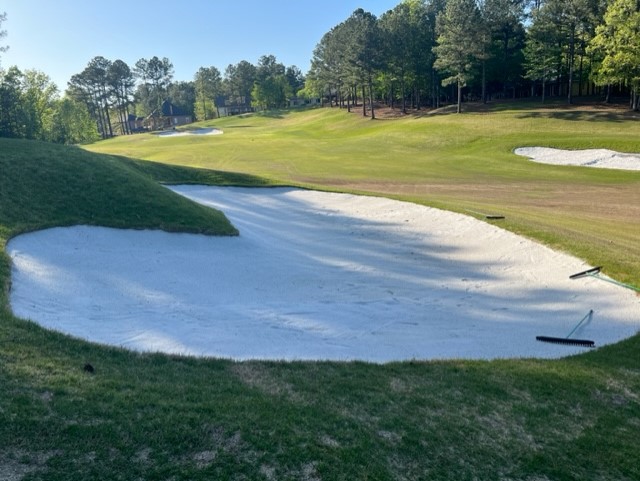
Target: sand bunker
[[315, 276], [181, 133], [603, 158]]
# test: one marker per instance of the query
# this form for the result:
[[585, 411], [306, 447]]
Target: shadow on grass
[[172, 174], [581, 115]]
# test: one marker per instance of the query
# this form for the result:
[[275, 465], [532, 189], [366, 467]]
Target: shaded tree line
[[425, 52]]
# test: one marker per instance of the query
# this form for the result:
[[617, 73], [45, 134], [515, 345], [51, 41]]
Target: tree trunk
[[484, 81], [571, 62], [580, 76], [459, 109], [364, 101], [373, 113]]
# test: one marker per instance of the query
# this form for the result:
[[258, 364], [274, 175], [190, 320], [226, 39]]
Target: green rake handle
[[588, 316], [595, 273]]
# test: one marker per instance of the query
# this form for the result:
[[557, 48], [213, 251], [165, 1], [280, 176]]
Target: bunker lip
[[601, 158], [315, 276]]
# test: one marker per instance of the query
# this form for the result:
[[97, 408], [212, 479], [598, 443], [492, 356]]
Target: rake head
[[566, 341], [588, 272]]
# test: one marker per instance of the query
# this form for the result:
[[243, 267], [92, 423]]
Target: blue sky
[[59, 37]]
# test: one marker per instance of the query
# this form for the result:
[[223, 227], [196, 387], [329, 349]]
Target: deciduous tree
[[39, 94], [72, 123], [12, 115], [617, 42]]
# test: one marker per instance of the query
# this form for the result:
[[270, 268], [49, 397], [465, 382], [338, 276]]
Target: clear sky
[[59, 37]]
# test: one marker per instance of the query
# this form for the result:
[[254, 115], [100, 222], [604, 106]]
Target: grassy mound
[[45, 184], [147, 416]]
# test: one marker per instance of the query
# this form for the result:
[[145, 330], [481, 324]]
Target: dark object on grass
[[89, 368], [595, 272], [486, 216], [567, 340]]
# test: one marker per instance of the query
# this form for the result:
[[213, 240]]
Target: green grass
[[156, 417]]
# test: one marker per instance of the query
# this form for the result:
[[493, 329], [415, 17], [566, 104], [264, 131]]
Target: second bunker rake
[[568, 340], [595, 272]]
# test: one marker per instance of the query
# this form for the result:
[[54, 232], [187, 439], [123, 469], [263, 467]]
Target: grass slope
[[157, 417]]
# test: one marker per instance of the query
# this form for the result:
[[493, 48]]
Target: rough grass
[[157, 417]]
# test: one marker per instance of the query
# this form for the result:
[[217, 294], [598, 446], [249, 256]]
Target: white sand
[[182, 133], [316, 276], [603, 158]]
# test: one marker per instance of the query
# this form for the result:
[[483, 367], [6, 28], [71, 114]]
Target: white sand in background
[[602, 158], [315, 276], [181, 133]]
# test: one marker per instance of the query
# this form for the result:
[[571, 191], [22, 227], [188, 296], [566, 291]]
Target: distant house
[[169, 116], [235, 106], [303, 102], [175, 116], [136, 124]]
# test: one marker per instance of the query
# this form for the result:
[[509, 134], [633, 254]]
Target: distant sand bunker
[[603, 158], [180, 133]]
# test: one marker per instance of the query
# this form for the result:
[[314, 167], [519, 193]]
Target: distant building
[[169, 116], [303, 102], [136, 124], [235, 106]]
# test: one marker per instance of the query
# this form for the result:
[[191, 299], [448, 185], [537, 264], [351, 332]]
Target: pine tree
[[459, 43]]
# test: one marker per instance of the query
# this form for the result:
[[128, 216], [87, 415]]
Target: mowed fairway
[[457, 162], [135, 416]]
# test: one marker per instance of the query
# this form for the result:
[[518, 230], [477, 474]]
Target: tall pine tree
[[459, 43]]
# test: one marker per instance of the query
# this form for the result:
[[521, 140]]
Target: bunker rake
[[486, 216], [595, 272], [567, 340]]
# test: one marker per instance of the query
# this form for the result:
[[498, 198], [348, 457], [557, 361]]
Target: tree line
[[422, 53], [100, 101], [426, 52]]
